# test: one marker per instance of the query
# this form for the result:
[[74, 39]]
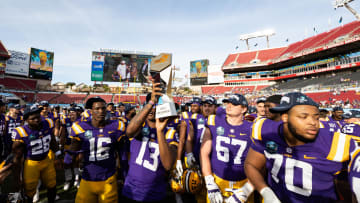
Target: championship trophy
[[158, 66]]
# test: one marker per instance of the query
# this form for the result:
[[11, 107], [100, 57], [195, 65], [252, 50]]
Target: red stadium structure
[[325, 66]]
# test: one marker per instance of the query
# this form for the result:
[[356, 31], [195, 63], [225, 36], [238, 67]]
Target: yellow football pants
[[34, 170], [97, 191], [225, 184]]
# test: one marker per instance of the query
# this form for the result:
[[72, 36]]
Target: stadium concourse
[[61, 126]]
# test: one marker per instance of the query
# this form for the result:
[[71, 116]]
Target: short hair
[[274, 99]]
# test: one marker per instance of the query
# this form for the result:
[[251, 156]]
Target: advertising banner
[[41, 64], [18, 64], [199, 72]]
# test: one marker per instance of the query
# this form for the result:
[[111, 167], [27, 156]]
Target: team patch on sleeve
[[340, 147], [256, 129]]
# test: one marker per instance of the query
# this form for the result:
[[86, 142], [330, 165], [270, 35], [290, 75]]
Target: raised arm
[[167, 152], [139, 119]]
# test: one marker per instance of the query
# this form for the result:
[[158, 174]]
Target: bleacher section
[[47, 96], [18, 84], [322, 80], [260, 57], [106, 97], [312, 44], [321, 40], [327, 96]]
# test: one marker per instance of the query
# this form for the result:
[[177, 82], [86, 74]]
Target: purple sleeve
[[16, 135]]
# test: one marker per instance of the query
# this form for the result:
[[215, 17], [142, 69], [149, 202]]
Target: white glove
[[190, 161], [213, 190], [269, 196], [179, 168], [240, 195]]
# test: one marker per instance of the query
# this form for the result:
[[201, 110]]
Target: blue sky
[[190, 29]]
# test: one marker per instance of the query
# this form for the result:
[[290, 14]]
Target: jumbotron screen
[[120, 67]]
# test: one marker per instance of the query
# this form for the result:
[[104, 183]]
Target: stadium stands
[[47, 96], [106, 97], [18, 84], [331, 96]]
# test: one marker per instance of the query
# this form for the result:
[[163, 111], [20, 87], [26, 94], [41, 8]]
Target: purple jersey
[[86, 115], [199, 122], [11, 124], [66, 123], [37, 142], [335, 125], [2, 134], [220, 110], [112, 115], [147, 178], [302, 173], [354, 169], [230, 145], [98, 146], [351, 129]]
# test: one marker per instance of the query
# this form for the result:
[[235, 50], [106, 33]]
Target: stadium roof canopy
[[263, 59], [3, 51]]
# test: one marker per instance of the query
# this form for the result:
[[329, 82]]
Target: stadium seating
[[106, 97], [322, 39], [207, 89], [327, 96], [47, 97], [220, 90], [268, 54], [71, 98], [18, 84], [27, 97]]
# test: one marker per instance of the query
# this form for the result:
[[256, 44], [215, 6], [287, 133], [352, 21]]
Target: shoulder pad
[[50, 122], [185, 115], [22, 132], [121, 125], [77, 128], [211, 120], [340, 147], [257, 129]]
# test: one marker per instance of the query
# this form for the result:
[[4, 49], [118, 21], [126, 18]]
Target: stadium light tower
[[345, 3], [264, 33]]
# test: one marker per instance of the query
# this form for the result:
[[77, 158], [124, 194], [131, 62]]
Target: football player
[[336, 120], [65, 141], [12, 121], [97, 139], [223, 151], [2, 129], [152, 154], [302, 159], [111, 113], [197, 122], [354, 169], [352, 126], [194, 139], [46, 113], [271, 102], [35, 139]]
